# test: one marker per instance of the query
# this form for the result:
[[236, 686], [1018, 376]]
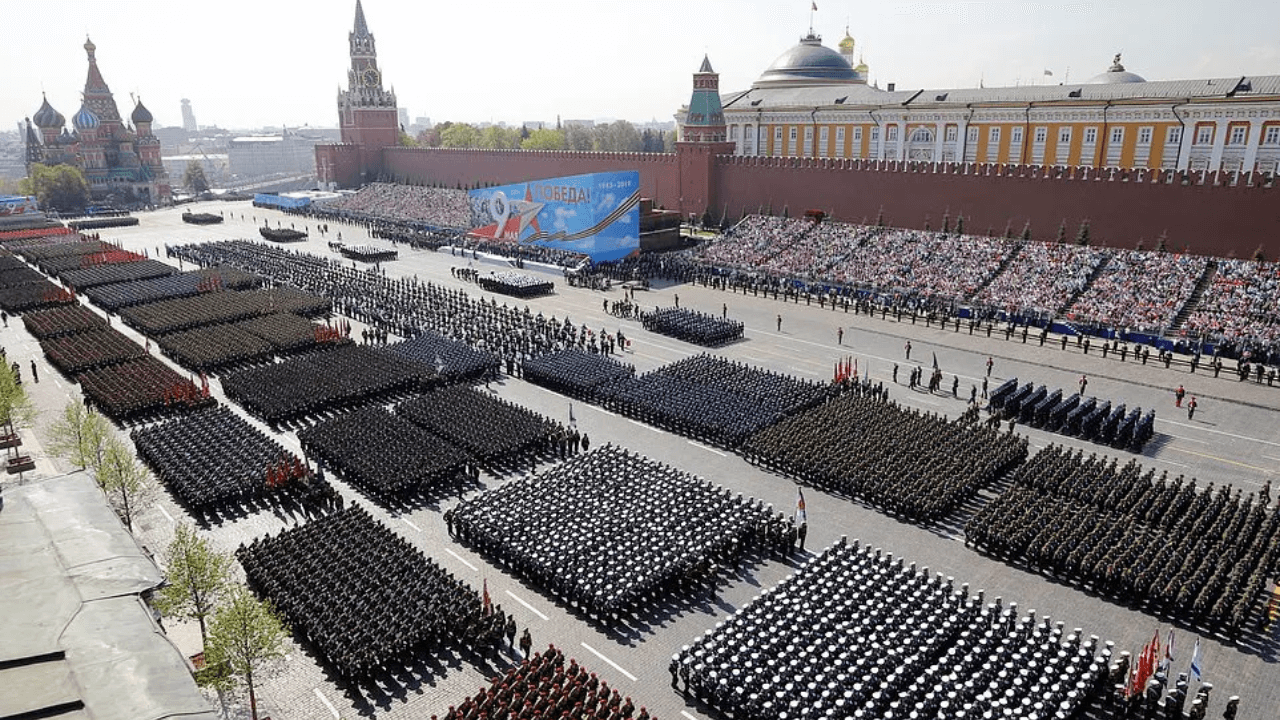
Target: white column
[[902, 140], [1251, 150], [1184, 147], [939, 131], [1219, 142]]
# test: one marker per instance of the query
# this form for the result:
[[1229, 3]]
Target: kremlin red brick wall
[[1203, 214], [1122, 207]]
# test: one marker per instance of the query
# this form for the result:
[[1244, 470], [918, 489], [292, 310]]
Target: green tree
[[496, 137], [124, 480], [544, 140], [407, 140], [60, 187], [80, 436], [244, 635], [1260, 255], [428, 138], [1026, 232], [198, 576], [460, 135], [578, 137], [194, 178], [1062, 231], [959, 224], [1082, 237], [16, 409]]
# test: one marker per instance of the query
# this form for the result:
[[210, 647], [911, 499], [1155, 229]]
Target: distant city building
[[288, 152], [815, 102], [215, 165], [188, 117], [402, 114], [117, 159]]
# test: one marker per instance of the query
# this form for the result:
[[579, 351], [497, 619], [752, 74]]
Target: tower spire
[[362, 28]]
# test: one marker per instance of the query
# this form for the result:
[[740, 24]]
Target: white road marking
[[409, 522], [612, 664], [708, 449], [637, 423], [1220, 432], [165, 513], [55, 382], [1188, 439], [688, 715], [461, 559], [1272, 457], [326, 702], [531, 608]]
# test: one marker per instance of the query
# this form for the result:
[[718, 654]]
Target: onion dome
[[85, 119], [1116, 74], [847, 44], [47, 117], [141, 114]]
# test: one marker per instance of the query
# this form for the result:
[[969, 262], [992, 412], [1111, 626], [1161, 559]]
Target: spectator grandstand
[[1142, 291], [1241, 305], [441, 207]]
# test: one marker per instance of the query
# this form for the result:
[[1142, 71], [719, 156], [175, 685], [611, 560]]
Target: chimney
[[892, 86]]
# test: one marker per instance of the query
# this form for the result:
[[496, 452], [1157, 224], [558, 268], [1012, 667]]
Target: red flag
[[488, 604]]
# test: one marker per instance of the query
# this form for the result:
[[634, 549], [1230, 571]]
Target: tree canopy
[[198, 576], [244, 635], [194, 177], [124, 480], [16, 409], [60, 187], [80, 436]]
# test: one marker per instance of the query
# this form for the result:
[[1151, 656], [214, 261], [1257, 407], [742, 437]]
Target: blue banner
[[596, 215]]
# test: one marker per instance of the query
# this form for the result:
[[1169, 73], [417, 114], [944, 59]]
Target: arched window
[[922, 135]]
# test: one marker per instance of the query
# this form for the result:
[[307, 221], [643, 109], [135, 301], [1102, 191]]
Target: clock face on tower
[[371, 77]]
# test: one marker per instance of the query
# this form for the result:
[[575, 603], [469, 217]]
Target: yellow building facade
[[815, 102]]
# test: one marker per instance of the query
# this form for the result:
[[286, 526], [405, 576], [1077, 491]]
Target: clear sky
[[249, 64]]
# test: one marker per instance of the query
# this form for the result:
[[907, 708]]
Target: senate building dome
[[809, 64], [1116, 74]]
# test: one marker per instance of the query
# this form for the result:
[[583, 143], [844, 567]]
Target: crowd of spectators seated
[[1042, 278], [442, 207], [1240, 305], [1139, 290]]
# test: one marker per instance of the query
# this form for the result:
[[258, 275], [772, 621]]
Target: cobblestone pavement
[[1233, 439]]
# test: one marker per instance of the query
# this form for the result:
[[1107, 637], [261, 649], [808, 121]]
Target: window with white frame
[[1042, 134], [891, 133], [1204, 135], [840, 139], [1064, 136], [749, 140], [808, 141], [857, 135], [1117, 136], [777, 140], [952, 133], [1239, 134], [875, 134], [1144, 135], [993, 136], [1174, 136], [792, 134], [972, 135], [922, 135], [1273, 135], [1015, 136], [1090, 135], [824, 140]]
